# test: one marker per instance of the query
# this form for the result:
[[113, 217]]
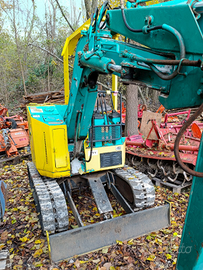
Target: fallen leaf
[[13, 221], [105, 250], [38, 242], [24, 239], [38, 253], [130, 260], [107, 265], [74, 226], [96, 261], [17, 267], [20, 262], [77, 263], [131, 242], [168, 256], [151, 257], [2, 246], [38, 264], [4, 236]]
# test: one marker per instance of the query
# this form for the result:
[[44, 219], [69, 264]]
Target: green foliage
[[24, 67], [43, 69]]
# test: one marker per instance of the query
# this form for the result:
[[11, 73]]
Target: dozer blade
[[86, 239]]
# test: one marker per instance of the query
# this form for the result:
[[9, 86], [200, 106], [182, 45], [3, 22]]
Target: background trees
[[24, 29], [28, 29]]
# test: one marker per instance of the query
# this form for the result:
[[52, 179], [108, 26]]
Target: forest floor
[[21, 234]]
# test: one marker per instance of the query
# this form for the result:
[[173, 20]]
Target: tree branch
[[64, 16], [45, 50], [78, 18]]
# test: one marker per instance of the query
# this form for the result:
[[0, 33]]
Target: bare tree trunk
[[28, 35], [18, 48], [88, 8], [65, 15], [53, 29], [131, 124], [147, 93], [155, 98], [142, 96], [48, 77], [94, 5], [5, 91]]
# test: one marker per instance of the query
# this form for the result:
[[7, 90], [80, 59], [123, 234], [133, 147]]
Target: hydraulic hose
[[75, 139], [182, 53], [177, 141], [132, 29], [104, 7], [167, 28], [101, 105], [91, 141], [76, 130], [105, 106]]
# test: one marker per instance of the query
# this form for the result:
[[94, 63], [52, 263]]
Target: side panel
[[48, 142]]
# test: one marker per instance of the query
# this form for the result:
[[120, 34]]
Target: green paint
[[190, 252]]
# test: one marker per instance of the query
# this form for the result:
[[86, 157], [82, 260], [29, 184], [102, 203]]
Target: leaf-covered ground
[[21, 232]]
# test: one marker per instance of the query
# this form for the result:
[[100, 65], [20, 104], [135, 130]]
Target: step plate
[[79, 241]]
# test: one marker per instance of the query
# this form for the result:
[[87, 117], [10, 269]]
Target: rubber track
[[143, 189], [5, 263], [49, 200]]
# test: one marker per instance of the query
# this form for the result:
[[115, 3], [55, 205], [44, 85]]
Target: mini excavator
[[79, 144]]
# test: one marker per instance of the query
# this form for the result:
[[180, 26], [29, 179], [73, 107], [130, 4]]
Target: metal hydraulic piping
[[177, 141]]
